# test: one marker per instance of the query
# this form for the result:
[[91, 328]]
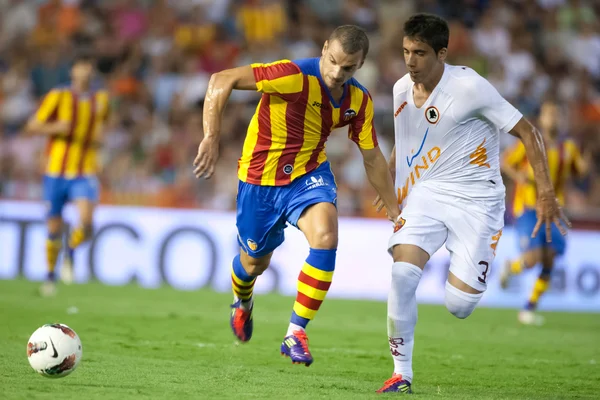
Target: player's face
[[82, 71], [549, 117], [421, 60], [336, 66]]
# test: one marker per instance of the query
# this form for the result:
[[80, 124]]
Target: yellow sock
[[516, 266], [53, 245], [241, 283], [78, 236], [242, 290], [539, 288]]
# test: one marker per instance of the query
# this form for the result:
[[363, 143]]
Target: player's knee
[[255, 266], [460, 304], [324, 239], [255, 269]]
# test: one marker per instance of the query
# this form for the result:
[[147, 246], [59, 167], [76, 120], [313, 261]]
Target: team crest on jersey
[[349, 113], [288, 169], [251, 244], [399, 224], [432, 115]]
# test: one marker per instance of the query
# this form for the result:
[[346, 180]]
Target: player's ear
[[442, 54], [325, 46]]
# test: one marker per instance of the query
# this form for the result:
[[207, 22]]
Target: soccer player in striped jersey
[[284, 175], [565, 162], [72, 117]]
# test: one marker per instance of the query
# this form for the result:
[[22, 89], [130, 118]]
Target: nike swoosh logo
[[55, 355], [410, 162]]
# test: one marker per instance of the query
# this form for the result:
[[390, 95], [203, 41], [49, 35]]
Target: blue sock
[[239, 270]]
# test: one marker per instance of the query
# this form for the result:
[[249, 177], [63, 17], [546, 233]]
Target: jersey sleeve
[[361, 129], [104, 99], [49, 107], [578, 163], [515, 155], [492, 106], [281, 78]]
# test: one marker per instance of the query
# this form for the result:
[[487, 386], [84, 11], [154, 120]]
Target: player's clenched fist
[[208, 154]]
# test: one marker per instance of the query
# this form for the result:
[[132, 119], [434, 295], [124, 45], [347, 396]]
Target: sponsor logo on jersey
[[479, 156], [410, 161], [315, 182], [421, 164], [399, 110]]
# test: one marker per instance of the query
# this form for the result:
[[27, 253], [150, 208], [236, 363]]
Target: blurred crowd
[[156, 57]]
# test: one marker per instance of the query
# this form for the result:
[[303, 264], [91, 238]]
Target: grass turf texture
[[167, 344]]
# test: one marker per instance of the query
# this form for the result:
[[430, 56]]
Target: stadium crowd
[[156, 58]]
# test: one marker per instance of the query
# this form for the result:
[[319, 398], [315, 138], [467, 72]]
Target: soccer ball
[[54, 350]]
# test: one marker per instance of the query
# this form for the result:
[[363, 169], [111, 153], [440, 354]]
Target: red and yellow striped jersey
[[76, 153], [287, 134], [564, 160]]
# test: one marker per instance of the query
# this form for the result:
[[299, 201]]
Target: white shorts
[[470, 229]]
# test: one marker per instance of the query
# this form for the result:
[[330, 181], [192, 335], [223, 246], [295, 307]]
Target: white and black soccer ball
[[54, 350]]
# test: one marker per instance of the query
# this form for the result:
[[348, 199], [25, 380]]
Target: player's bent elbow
[[240, 78]]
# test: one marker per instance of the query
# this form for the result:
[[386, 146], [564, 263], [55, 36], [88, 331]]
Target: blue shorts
[[59, 191], [525, 224], [263, 211]]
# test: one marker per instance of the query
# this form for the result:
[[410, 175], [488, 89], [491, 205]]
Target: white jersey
[[451, 143]]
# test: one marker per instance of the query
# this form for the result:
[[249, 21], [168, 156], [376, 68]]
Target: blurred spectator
[[156, 57]]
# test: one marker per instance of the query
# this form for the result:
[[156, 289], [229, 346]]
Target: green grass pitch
[[167, 344]]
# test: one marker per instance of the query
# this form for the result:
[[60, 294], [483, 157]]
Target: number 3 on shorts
[[483, 276]]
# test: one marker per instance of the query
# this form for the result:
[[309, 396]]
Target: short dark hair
[[428, 28], [83, 56], [352, 38]]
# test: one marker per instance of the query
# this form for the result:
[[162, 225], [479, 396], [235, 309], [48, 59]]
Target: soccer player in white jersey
[[447, 121]]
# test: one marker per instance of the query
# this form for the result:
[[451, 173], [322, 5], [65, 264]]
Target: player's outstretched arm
[[43, 121], [35, 127], [548, 208], [219, 89], [377, 203], [378, 172]]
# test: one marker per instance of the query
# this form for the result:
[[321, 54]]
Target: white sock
[[402, 316], [292, 328]]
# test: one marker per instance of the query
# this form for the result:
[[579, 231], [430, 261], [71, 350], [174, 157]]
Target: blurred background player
[[284, 175], [565, 162], [72, 117], [447, 124]]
